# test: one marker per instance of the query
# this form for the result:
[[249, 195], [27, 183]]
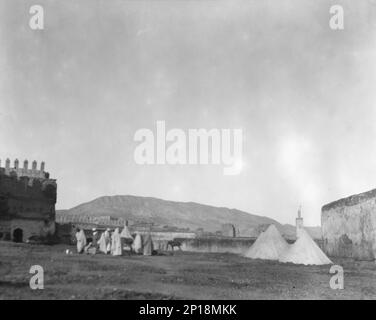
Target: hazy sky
[[74, 94]]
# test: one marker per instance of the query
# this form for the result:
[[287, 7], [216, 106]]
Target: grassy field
[[181, 275]]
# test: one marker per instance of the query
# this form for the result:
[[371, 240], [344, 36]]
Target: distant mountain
[[179, 214]]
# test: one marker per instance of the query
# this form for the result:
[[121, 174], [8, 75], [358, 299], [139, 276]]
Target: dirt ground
[[181, 275]]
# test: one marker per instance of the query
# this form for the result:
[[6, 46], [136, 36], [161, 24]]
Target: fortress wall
[[24, 201], [25, 171], [27, 203], [230, 245], [33, 228], [160, 239], [349, 227]]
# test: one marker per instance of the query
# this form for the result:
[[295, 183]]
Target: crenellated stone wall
[[349, 227], [24, 171]]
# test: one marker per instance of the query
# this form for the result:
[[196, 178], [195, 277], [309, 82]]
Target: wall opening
[[18, 235]]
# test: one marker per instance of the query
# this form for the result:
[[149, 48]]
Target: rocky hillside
[[180, 214]]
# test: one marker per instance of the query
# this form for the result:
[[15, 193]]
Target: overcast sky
[[75, 93]]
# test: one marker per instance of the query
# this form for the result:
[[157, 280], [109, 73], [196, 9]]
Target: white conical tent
[[305, 251], [269, 245]]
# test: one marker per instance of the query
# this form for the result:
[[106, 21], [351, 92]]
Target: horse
[[173, 243]]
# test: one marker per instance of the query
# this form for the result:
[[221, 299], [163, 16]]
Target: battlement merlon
[[25, 171]]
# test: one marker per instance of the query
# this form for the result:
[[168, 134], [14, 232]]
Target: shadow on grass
[[14, 284]]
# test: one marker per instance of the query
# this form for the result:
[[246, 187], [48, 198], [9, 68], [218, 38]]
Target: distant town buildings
[[228, 230], [106, 221]]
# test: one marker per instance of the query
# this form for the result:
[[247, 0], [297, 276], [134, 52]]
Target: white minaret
[[299, 222]]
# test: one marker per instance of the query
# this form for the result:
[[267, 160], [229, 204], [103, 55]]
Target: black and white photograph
[[187, 150]]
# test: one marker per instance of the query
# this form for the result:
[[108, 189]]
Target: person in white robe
[[81, 241], [116, 248], [126, 238], [125, 233], [137, 243], [95, 238], [107, 237], [102, 244], [148, 245]]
